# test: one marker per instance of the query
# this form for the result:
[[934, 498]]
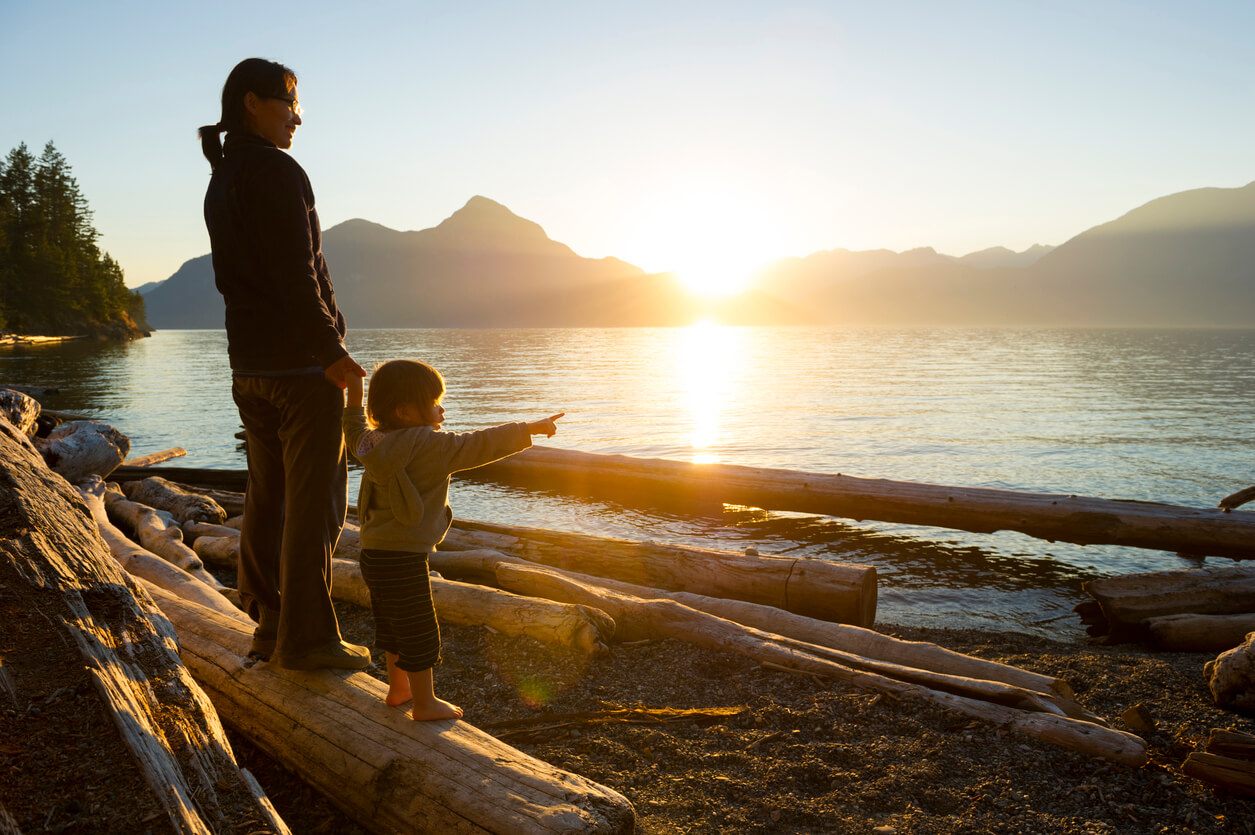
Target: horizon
[[691, 138]]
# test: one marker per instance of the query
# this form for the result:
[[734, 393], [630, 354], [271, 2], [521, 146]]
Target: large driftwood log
[[1127, 601], [186, 506], [1066, 518], [565, 624], [483, 564], [1228, 762], [1033, 714], [1199, 633], [69, 607], [83, 448], [1231, 676], [833, 591], [155, 534], [384, 769]]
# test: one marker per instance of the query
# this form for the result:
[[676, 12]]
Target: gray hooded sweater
[[403, 504]]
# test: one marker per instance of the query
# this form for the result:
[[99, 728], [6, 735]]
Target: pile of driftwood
[[1228, 761]]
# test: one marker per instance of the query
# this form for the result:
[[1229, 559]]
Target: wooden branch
[[582, 627], [1237, 776], [1065, 518], [1199, 633], [666, 618], [334, 730], [1237, 499], [154, 457], [153, 533], [831, 591]]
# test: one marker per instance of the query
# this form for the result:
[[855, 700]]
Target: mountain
[[483, 266], [1184, 260]]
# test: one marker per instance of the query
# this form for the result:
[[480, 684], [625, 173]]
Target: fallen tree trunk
[[666, 618], [1199, 633], [1127, 601], [186, 506], [832, 591], [83, 448], [1228, 762], [564, 624], [385, 770], [74, 616], [153, 533], [1231, 676], [154, 457], [1065, 518]]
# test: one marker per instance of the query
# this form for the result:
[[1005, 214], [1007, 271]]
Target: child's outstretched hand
[[353, 389], [547, 427]]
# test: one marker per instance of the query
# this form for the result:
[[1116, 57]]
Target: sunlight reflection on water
[[1153, 415]]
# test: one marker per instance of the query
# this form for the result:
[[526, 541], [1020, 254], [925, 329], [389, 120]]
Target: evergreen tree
[[53, 277]]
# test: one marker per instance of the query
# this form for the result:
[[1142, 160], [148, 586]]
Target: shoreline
[[30, 339]]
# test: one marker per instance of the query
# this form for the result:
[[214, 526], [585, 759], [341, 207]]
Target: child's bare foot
[[396, 698], [435, 708]]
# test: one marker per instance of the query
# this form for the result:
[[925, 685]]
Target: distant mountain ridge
[[1186, 259]]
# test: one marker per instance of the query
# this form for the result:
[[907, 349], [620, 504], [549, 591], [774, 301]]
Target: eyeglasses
[[292, 103]]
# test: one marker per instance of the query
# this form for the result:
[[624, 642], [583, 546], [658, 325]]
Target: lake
[[1159, 415]]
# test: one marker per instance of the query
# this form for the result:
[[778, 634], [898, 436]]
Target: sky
[[674, 135]]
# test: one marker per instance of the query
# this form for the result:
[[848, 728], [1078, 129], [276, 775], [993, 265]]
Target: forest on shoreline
[[54, 278]]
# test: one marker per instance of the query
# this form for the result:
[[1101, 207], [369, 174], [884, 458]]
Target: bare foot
[[398, 693], [436, 708]]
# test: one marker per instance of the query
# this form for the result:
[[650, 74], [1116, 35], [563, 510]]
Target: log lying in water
[[1066, 518], [102, 636], [334, 730], [832, 591], [1127, 601], [1033, 714], [154, 457]]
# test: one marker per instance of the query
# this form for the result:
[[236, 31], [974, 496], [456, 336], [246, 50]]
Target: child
[[404, 512]]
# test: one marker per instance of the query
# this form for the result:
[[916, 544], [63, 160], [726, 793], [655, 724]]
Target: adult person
[[289, 366]]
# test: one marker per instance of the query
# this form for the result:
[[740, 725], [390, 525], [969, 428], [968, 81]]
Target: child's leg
[[398, 682], [426, 704]]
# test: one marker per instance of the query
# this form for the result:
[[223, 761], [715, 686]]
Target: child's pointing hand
[[547, 427]]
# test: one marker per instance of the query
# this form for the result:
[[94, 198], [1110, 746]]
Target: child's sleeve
[[354, 423], [468, 450]]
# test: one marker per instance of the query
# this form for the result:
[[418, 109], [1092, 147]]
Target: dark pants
[[294, 507], [400, 600]]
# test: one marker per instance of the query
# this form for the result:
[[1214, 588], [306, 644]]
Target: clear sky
[[669, 134]]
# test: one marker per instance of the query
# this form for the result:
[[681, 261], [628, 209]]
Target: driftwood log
[[83, 448], [154, 457], [69, 610], [564, 624], [1033, 714], [1231, 676], [153, 532], [1199, 633], [1126, 602], [1065, 518], [19, 409], [832, 591], [385, 770], [184, 504], [1228, 761]]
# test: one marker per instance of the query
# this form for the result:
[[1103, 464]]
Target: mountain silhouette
[[483, 266]]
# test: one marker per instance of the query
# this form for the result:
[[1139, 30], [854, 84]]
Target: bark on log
[[1066, 518], [186, 506], [1231, 676], [155, 457], [384, 769], [1230, 743], [83, 448], [1029, 713], [19, 409], [1199, 633], [1237, 776], [195, 530], [153, 533], [584, 628], [1128, 600], [838, 592], [53, 563], [218, 550]]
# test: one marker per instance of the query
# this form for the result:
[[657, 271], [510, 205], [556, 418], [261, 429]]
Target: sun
[[713, 241]]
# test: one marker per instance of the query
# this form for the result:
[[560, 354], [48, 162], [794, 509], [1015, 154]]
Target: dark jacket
[[267, 254]]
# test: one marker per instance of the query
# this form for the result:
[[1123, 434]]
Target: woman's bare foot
[[435, 708]]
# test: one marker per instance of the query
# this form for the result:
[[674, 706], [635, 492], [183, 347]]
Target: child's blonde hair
[[397, 383]]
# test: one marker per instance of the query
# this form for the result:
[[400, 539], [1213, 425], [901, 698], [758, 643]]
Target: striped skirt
[[400, 599]]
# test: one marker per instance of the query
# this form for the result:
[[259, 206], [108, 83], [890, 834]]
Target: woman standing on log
[[285, 338]]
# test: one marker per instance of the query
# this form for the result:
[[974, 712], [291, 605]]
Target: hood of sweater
[[384, 456]]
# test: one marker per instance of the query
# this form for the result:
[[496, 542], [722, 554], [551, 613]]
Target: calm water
[[1138, 414]]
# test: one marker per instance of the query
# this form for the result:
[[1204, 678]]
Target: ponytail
[[252, 75]]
